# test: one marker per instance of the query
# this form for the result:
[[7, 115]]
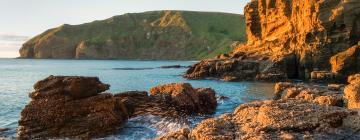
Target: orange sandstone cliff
[[291, 39]]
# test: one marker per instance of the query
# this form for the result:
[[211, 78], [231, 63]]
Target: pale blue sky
[[31, 17]]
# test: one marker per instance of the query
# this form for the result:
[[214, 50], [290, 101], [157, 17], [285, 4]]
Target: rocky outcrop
[[303, 36], [331, 95], [75, 107], [160, 35], [282, 119], [70, 107], [352, 92], [186, 98]]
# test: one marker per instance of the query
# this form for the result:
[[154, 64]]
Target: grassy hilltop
[[178, 35]]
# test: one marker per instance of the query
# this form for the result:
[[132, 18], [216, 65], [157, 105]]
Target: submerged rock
[[281, 119], [173, 67], [2, 131]]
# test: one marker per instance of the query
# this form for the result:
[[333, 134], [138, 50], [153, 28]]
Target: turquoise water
[[17, 77]]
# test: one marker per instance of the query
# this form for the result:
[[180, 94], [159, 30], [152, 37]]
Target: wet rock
[[312, 93], [279, 119], [223, 98], [177, 135], [139, 103], [187, 98], [70, 107], [352, 92]]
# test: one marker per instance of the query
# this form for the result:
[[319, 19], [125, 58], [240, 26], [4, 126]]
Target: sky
[[23, 19]]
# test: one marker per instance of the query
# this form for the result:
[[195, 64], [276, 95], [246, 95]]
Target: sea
[[17, 77]]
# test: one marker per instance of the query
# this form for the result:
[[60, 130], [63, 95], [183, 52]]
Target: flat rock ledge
[[298, 111], [75, 107]]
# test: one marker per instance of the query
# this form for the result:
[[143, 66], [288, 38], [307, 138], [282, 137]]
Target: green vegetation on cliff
[[181, 35]]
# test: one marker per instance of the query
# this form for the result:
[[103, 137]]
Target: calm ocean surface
[[17, 77]]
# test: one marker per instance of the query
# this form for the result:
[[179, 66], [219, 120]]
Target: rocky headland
[[156, 35], [291, 39]]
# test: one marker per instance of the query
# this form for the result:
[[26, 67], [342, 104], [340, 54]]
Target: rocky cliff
[[291, 39], [149, 35]]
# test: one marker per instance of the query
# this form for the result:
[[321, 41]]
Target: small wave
[[148, 127]]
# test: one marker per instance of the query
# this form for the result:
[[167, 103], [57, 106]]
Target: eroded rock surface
[[281, 119], [290, 39], [330, 95]]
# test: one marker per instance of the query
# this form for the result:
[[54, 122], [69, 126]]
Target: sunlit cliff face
[[312, 30]]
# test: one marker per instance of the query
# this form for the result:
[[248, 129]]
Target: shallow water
[[17, 77]]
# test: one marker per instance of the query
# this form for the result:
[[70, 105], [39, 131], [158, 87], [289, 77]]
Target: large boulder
[[282, 119], [70, 107], [186, 98]]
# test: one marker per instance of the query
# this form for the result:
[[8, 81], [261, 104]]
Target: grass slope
[[181, 35]]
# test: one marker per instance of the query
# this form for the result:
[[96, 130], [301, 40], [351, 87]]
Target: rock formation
[[181, 35], [281, 119], [70, 107], [186, 98], [74, 107], [290, 39]]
